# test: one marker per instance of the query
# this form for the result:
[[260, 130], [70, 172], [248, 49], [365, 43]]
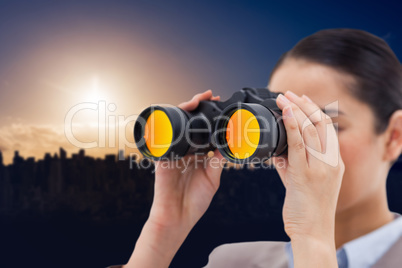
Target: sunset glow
[[127, 56]]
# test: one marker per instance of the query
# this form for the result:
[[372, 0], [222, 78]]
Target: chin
[[345, 201]]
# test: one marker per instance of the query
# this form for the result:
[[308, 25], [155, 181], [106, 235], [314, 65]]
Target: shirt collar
[[368, 249]]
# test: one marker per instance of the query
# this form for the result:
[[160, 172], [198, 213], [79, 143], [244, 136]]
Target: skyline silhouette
[[93, 209], [86, 185]]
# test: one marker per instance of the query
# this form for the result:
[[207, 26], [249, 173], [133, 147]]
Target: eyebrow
[[332, 112]]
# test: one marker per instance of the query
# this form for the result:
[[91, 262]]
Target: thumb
[[281, 165], [215, 166]]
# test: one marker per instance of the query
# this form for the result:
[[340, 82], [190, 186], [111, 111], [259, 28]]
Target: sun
[[94, 91]]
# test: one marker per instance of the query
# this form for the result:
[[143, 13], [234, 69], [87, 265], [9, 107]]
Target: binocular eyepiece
[[247, 128]]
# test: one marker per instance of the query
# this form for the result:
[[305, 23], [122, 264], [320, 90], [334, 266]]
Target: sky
[[112, 59]]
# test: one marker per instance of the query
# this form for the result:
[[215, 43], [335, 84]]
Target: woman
[[335, 209]]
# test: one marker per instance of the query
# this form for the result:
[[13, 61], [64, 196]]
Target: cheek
[[359, 154], [354, 150]]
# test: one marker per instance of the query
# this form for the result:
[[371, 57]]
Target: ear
[[394, 137]]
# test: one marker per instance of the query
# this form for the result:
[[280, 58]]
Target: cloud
[[36, 140], [2, 148], [31, 140]]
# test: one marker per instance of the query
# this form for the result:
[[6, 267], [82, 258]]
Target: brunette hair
[[366, 57]]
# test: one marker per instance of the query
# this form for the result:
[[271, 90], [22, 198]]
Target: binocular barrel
[[247, 128]]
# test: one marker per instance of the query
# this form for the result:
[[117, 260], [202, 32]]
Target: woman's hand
[[184, 188], [183, 191], [312, 174]]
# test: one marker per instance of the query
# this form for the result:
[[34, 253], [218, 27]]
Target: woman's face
[[362, 150]]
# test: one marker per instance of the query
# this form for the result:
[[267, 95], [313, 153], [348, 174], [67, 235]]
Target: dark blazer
[[273, 255]]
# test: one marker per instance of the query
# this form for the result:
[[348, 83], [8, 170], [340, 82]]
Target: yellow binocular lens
[[163, 132], [158, 133], [242, 134], [250, 132]]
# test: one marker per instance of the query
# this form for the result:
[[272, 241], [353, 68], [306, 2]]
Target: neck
[[362, 218]]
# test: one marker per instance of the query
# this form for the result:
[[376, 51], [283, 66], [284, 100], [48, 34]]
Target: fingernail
[[283, 99], [307, 98], [291, 95], [288, 111]]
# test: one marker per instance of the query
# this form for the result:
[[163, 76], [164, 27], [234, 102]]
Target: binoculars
[[246, 128]]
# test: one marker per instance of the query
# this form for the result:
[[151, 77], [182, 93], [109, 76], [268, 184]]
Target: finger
[[193, 103], [328, 137], [215, 166], [307, 129], [216, 98], [316, 115], [206, 95], [281, 164], [296, 147]]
